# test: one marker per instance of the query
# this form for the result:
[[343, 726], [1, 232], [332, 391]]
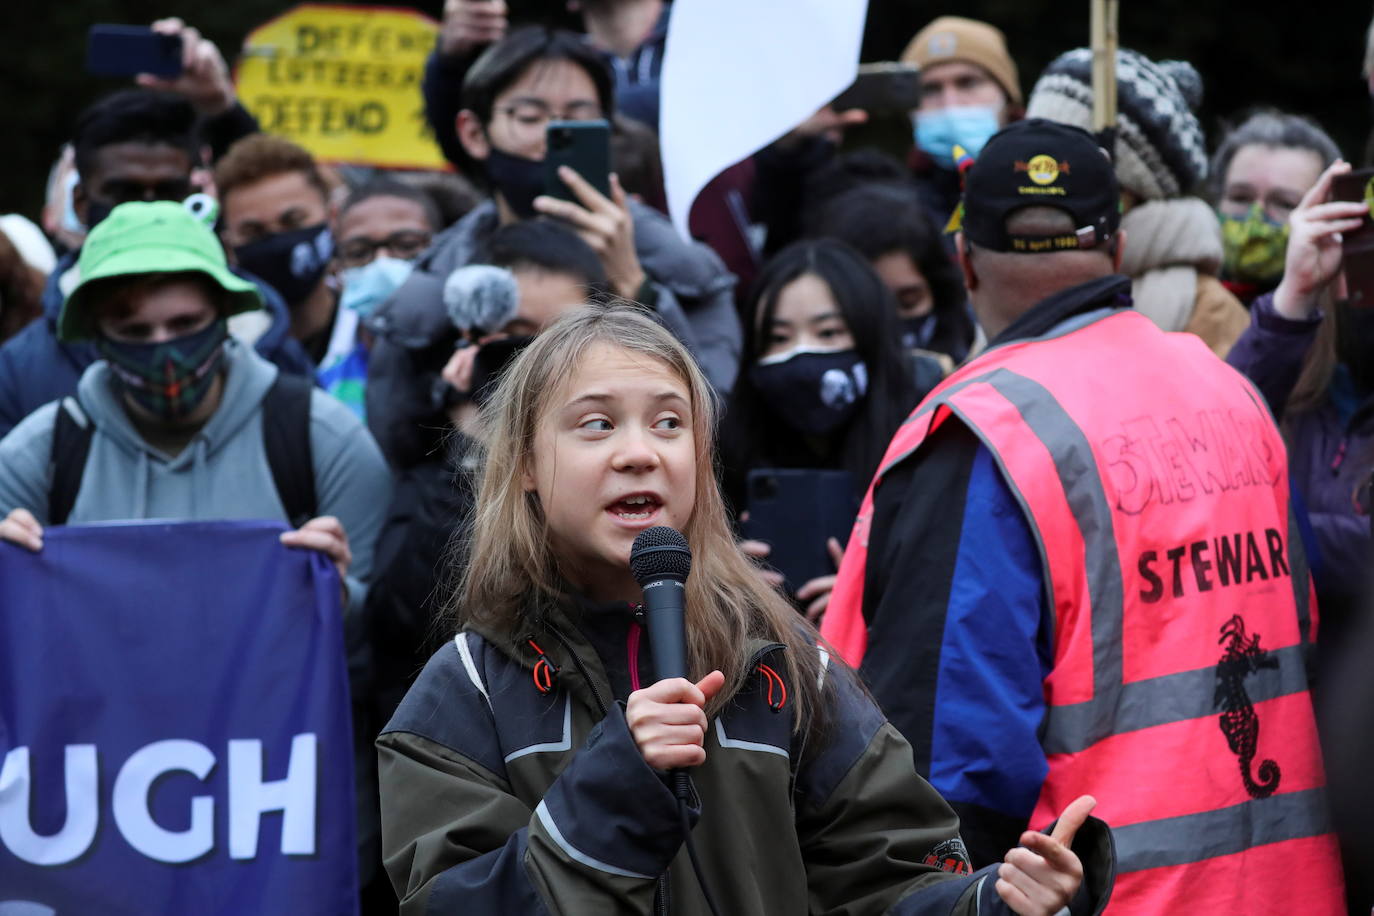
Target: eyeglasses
[[405, 244], [531, 116]]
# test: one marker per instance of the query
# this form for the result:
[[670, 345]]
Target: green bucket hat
[[148, 238]]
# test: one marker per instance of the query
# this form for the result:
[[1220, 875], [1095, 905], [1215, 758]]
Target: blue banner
[[174, 724]]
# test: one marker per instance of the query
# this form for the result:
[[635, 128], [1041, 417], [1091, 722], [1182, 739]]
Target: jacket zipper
[[581, 668], [661, 890], [632, 642], [661, 895]]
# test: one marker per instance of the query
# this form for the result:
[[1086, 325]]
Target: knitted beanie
[[956, 38], [1160, 152]]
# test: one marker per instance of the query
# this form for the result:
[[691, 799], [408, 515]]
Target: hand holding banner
[[174, 730]]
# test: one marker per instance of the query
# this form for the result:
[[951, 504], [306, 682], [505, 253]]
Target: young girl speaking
[[525, 770]]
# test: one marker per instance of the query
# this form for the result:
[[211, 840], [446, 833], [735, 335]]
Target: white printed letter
[[250, 798], [77, 832], [132, 811]]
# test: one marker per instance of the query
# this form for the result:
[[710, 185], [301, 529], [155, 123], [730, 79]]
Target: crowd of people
[[1099, 409]]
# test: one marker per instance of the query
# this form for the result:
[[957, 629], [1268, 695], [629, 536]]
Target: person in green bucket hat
[[155, 296], [178, 419]]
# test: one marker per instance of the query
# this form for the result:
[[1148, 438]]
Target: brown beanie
[[956, 38]]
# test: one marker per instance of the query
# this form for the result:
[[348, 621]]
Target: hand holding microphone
[[667, 718], [668, 723]]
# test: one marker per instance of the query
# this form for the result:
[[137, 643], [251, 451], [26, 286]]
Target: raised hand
[[1314, 244], [472, 24], [1040, 877], [204, 79]]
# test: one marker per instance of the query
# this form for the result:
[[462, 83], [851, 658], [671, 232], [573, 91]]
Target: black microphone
[[660, 561]]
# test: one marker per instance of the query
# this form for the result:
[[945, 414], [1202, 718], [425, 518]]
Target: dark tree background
[[1299, 57]]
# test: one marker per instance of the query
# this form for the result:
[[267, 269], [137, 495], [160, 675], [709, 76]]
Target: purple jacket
[[1329, 455]]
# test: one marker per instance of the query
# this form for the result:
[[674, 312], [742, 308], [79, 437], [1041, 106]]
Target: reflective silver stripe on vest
[[1206, 835], [1169, 698], [1078, 475]]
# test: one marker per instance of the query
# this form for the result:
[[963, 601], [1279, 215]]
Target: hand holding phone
[[581, 191], [1357, 243], [882, 88], [204, 79], [472, 24], [1314, 254], [798, 512]]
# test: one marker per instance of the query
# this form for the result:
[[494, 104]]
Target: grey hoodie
[[222, 474]]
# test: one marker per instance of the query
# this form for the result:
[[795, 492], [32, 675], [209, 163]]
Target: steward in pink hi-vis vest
[[1155, 487]]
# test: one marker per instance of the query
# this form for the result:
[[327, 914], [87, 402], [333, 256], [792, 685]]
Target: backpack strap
[[286, 439], [71, 443]]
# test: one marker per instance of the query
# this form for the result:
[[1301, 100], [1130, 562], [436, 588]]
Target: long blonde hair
[[511, 568]]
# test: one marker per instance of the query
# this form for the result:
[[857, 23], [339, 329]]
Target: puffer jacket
[[502, 796], [693, 295]]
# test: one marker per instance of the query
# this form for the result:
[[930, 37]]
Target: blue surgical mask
[[70, 221], [368, 286], [969, 126]]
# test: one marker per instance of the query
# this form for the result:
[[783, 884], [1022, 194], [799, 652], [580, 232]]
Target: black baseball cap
[[1039, 163]]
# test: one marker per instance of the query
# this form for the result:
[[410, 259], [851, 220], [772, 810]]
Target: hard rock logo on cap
[[1043, 169]]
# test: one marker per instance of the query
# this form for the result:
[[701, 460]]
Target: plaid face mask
[[168, 379]]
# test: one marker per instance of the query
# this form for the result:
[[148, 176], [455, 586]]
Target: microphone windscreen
[[660, 551], [481, 297]]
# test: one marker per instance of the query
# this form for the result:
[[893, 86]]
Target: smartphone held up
[[583, 146], [1357, 247], [130, 50]]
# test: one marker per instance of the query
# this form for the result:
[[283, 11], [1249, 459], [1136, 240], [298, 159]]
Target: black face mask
[[292, 262], [519, 180], [492, 359], [1355, 342], [917, 332], [814, 392]]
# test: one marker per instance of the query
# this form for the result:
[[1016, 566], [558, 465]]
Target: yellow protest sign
[[343, 82]]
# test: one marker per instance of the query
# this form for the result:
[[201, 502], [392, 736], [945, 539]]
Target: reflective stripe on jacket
[[1155, 485]]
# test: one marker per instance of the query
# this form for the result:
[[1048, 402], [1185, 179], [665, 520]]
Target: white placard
[[738, 74]]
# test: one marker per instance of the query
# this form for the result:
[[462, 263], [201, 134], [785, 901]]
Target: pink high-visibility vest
[[1155, 485]]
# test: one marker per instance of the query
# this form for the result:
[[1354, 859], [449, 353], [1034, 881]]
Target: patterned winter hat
[[1160, 151]]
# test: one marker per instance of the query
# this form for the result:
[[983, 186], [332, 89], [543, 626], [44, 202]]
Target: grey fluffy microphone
[[480, 298]]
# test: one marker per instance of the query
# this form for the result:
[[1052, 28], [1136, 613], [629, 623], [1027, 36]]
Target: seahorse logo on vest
[[1239, 721]]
